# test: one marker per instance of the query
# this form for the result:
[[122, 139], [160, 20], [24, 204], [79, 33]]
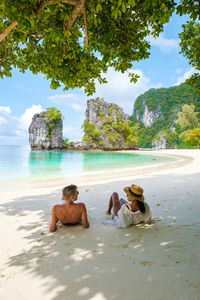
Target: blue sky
[[22, 95]]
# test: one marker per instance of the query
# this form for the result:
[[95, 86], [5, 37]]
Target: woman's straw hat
[[136, 191]]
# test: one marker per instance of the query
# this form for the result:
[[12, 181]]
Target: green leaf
[[99, 7]]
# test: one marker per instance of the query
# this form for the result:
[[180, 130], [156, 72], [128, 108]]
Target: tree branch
[[75, 14], [73, 2], [6, 32], [86, 31], [42, 5], [40, 37], [50, 2]]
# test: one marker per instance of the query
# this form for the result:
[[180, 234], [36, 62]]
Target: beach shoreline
[[159, 261], [99, 177]]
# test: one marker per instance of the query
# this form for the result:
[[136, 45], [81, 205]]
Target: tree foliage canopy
[[190, 38], [190, 46], [192, 137], [72, 41], [187, 118]]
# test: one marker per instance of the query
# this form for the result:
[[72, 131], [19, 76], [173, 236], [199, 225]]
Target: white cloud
[[8, 123], [179, 70], [14, 129], [165, 45], [185, 76], [74, 101], [5, 110], [121, 91], [26, 118]]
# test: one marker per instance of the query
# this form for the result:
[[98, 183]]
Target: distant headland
[[162, 118]]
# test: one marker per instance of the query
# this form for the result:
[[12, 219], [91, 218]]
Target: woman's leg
[[110, 205], [113, 203]]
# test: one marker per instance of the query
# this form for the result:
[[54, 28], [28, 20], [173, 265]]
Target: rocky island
[[106, 127], [45, 131]]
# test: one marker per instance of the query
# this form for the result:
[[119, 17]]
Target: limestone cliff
[[45, 134], [107, 126], [156, 111], [149, 117], [159, 107]]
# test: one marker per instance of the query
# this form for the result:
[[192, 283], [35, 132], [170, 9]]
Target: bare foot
[[108, 212]]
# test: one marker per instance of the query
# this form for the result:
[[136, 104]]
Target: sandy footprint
[[68, 243], [135, 240], [146, 263], [119, 246], [193, 283], [43, 255], [43, 233]]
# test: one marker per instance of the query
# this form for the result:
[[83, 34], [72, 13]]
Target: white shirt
[[127, 217]]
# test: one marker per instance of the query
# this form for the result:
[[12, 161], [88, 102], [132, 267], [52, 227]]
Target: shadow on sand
[[104, 262]]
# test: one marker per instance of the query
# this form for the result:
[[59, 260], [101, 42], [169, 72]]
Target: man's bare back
[[69, 212]]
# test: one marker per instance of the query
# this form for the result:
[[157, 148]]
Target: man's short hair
[[69, 191]]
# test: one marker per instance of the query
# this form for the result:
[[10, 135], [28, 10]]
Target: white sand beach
[[159, 261]]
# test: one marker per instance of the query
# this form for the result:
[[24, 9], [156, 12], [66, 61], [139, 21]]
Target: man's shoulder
[[80, 204], [56, 207]]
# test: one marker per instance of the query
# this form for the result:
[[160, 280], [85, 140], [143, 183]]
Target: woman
[[133, 211]]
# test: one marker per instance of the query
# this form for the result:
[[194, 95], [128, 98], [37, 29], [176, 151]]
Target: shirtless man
[[69, 212]]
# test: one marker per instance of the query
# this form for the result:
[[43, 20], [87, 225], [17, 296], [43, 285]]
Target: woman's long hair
[[141, 207]]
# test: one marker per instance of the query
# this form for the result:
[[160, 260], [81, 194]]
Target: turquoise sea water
[[21, 162]]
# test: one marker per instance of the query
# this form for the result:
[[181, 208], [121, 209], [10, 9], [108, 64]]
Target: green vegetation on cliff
[[192, 137], [189, 125], [163, 106], [91, 133], [67, 143], [53, 116], [112, 130], [110, 127]]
